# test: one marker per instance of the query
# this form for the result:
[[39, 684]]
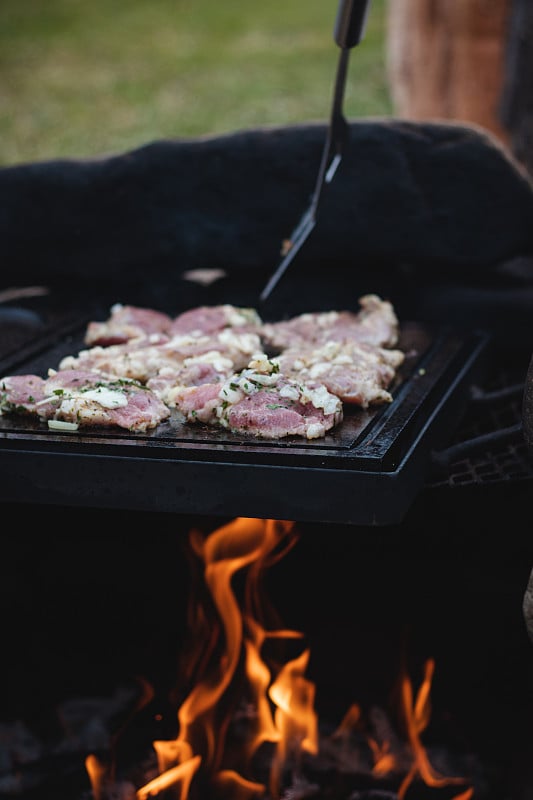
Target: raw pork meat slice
[[235, 344], [357, 373], [139, 359], [143, 359], [197, 403], [376, 323], [262, 402], [86, 398], [24, 394], [209, 368], [212, 319], [124, 323]]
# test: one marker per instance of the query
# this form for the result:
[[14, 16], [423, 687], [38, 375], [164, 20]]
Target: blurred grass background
[[81, 79]]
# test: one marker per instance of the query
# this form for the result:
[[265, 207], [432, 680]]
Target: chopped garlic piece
[[61, 425], [290, 391], [230, 392], [321, 398], [314, 431], [108, 398]]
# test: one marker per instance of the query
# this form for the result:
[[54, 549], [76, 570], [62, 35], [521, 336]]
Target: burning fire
[[248, 723]]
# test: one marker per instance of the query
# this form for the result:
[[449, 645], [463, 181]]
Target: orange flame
[[228, 645], [243, 543], [234, 786], [464, 795], [180, 776], [96, 772], [259, 677], [349, 722], [417, 716], [385, 761], [295, 717]]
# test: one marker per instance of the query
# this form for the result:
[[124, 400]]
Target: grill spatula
[[349, 30]]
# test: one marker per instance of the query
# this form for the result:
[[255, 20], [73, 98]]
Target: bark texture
[[446, 60]]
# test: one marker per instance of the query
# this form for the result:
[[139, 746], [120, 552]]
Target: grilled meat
[[376, 323], [84, 398], [210, 365]]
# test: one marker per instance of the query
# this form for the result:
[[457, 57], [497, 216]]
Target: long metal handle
[[351, 22], [349, 29]]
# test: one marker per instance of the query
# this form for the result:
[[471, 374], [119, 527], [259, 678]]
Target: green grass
[[81, 79]]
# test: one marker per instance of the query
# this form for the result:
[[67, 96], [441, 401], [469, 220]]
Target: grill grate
[[366, 472], [512, 463], [495, 415]]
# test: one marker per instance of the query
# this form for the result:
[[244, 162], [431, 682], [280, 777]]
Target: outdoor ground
[[84, 79]]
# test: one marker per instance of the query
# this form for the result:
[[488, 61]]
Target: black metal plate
[[366, 471]]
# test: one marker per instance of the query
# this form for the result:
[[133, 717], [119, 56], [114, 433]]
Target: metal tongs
[[349, 30]]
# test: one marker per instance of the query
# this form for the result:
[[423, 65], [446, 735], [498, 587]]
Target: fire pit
[[378, 453], [208, 571], [394, 672]]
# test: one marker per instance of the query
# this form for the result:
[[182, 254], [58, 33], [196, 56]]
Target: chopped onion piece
[[61, 425]]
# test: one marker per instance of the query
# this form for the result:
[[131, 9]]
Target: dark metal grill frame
[[367, 471], [488, 446]]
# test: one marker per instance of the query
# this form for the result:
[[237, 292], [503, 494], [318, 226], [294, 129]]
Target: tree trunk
[[446, 60]]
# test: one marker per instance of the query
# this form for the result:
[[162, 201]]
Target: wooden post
[[517, 96], [446, 60]]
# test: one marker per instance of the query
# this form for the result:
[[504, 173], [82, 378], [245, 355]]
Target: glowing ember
[[248, 728]]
